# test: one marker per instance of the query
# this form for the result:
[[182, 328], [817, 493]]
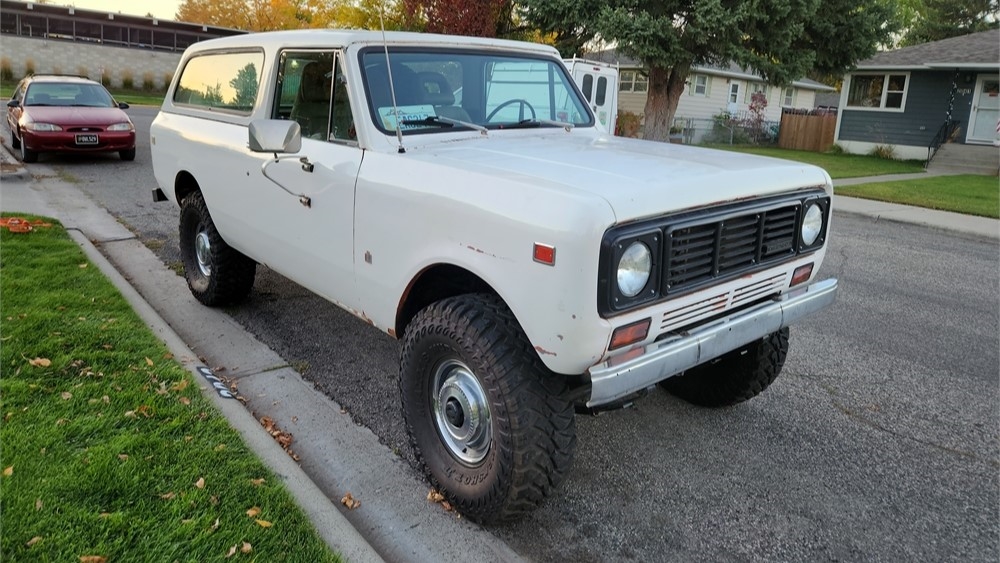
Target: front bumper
[[617, 378], [65, 141]]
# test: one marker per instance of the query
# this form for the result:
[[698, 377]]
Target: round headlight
[[634, 268], [812, 224]]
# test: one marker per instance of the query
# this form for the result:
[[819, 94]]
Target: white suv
[[455, 193]]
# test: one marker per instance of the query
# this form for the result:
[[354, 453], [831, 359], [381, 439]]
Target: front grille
[[90, 129], [699, 253]]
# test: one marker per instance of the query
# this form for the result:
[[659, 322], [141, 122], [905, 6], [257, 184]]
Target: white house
[[712, 90]]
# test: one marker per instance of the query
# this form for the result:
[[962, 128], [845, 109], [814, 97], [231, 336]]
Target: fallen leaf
[[256, 482], [180, 385], [350, 502], [38, 504], [220, 447], [40, 362], [149, 362], [66, 395], [188, 438], [213, 500], [215, 526], [246, 548], [106, 400], [8, 471], [168, 496], [144, 410], [184, 401], [105, 515], [200, 483], [187, 521], [434, 496], [123, 457], [34, 540], [129, 414], [231, 552], [264, 523], [84, 265], [253, 512], [93, 559], [107, 347], [446, 505]]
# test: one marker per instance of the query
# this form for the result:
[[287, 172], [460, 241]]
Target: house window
[[699, 85], [734, 92], [633, 81], [877, 91], [788, 97]]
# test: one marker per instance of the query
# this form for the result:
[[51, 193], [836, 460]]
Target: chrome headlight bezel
[[822, 207], [617, 297]]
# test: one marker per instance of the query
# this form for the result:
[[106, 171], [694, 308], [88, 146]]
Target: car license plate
[[90, 139]]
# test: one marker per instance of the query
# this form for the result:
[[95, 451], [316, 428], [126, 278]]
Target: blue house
[[918, 98]]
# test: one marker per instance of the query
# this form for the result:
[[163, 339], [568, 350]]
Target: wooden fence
[[807, 132]]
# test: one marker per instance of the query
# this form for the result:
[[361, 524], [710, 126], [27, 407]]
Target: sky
[[163, 9]]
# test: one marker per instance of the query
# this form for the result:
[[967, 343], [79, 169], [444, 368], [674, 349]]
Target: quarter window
[[223, 81], [633, 81], [877, 91]]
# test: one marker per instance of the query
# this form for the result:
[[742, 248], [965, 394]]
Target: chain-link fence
[[725, 129]]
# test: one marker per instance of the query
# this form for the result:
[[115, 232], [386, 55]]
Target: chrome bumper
[[616, 379]]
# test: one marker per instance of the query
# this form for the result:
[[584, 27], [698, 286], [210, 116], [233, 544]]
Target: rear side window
[[223, 81]]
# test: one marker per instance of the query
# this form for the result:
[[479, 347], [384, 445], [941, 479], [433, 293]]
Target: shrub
[[628, 124], [82, 71], [128, 82], [29, 66], [147, 82], [887, 152], [105, 77], [836, 149], [6, 71], [57, 70], [168, 77]]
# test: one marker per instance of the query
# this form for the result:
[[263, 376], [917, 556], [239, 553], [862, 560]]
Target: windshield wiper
[[528, 123], [443, 121]]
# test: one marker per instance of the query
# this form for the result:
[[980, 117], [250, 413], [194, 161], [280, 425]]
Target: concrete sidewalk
[[958, 222]]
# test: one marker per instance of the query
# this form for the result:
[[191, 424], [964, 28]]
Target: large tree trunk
[[665, 88]]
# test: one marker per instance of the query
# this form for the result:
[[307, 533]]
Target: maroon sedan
[[55, 113]]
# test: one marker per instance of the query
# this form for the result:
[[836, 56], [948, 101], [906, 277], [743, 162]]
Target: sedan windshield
[[438, 90], [68, 94]]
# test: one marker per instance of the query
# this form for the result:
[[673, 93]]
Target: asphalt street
[[878, 442]]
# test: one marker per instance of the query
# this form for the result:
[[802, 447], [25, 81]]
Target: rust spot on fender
[[544, 352]]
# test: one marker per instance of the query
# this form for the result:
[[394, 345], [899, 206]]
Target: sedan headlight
[[40, 127], [634, 267], [812, 224], [127, 126]]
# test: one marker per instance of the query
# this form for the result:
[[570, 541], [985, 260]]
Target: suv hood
[[637, 178]]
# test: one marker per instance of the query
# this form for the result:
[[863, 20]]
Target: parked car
[[532, 263], [58, 113]]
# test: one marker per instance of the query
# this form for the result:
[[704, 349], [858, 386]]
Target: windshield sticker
[[406, 113]]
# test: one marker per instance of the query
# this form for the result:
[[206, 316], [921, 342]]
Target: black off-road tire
[[127, 154], [15, 143], [735, 377], [223, 275], [532, 427]]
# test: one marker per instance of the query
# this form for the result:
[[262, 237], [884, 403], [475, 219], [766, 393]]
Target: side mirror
[[275, 136], [14, 104], [122, 105]]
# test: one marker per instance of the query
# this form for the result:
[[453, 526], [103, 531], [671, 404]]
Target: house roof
[[975, 50], [732, 70]]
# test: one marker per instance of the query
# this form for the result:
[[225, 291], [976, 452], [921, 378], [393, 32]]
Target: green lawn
[[133, 97], [837, 165], [973, 195], [109, 448]]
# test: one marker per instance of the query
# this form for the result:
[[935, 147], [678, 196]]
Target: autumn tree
[[256, 15], [369, 14], [940, 19], [479, 18], [781, 40]]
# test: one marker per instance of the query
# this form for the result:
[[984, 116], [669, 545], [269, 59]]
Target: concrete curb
[[331, 525]]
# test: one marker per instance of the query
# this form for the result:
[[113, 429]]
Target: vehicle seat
[[437, 92], [39, 98], [311, 108]]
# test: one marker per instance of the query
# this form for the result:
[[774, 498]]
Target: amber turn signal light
[[801, 274], [629, 334]]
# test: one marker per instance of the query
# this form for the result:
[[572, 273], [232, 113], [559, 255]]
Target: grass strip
[[109, 448], [836, 165], [966, 193]]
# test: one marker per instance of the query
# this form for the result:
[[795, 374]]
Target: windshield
[[67, 94], [443, 90]]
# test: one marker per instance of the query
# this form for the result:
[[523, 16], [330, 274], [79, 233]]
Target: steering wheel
[[523, 104]]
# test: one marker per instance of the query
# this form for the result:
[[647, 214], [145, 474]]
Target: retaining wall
[[78, 57]]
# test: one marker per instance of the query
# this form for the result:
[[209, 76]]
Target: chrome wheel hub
[[203, 251], [461, 412]]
